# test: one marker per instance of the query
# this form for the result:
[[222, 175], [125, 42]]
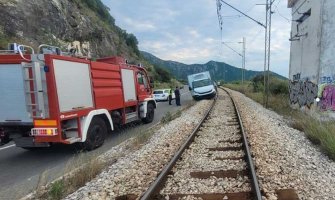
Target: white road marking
[[13, 145]]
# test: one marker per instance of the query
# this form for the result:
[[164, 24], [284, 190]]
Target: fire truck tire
[[96, 134], [150, 114]]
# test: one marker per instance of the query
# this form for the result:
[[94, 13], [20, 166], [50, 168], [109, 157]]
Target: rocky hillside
[[86, 24], [218, 70]]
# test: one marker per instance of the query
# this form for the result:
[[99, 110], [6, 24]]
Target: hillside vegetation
[[61, 22]]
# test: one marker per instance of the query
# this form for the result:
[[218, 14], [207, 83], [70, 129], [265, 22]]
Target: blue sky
[[188, 31]]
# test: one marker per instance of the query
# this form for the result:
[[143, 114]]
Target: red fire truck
[[48, 98]]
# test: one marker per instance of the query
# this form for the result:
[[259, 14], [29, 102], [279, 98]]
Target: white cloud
[[188, 31], [210, 41], [140, 26], [194, 34], [187, 55]]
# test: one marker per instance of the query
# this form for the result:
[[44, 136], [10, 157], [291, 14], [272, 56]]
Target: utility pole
[[267, 40], [240, 54], [243, 59], [267, 53]]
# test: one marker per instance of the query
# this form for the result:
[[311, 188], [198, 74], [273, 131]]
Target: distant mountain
[[218, 70]]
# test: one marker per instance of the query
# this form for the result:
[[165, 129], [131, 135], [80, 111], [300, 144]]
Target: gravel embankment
[[133, 174], [200, 157], [284, 157]]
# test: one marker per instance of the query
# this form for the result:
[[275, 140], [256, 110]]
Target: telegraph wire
[[239, 16], [231, 48], [242, 12], [281, 15]]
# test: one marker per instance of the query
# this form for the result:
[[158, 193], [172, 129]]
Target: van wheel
[[150, 114], [96, 134]]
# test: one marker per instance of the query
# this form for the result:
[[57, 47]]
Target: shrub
[[162, 74], [278, 86], [258, 83], [56, 190], [98, 7], [166, 118]]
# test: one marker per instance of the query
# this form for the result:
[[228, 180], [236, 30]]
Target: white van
[[201, 85]]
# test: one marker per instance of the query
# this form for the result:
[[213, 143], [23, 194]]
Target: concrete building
[[312, 57]]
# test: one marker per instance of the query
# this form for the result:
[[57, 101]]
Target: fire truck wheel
[[96, 134], [150, 113]]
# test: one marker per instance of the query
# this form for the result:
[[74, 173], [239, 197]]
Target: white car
[[163, 94]]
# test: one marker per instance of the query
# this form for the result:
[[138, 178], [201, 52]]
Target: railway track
[[214, 163]]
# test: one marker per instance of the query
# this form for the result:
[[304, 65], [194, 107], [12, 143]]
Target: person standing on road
[[170, 96], [177, 93]]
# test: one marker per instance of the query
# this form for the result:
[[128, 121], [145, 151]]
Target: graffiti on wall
[[303, 92], [296, 77], [327, 79], [328, 98], [326, 92]]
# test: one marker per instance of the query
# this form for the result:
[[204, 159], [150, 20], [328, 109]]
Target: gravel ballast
[[201, 158], [134, 173], [284, 157]]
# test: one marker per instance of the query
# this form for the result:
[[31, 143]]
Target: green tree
[[102, 10], [162, 74], [258, 83], [132, 42]]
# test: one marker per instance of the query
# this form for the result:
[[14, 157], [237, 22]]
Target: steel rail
[[156, 185], [251, 166]]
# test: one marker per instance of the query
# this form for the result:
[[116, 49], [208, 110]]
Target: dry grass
[[82, 168], [319, 132], [166, 118], [86, 167], [143, 137]]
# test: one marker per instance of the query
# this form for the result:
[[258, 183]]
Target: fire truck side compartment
[[12, 96], [73, 85], [107, 86]]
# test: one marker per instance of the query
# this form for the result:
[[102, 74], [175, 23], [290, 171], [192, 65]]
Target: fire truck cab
[[51, 98]]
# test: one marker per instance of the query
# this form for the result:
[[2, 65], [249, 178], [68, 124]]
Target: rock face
[[60, 22]]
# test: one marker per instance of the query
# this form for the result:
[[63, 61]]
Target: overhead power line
[[267, 40], [224, 43], [242, 13]]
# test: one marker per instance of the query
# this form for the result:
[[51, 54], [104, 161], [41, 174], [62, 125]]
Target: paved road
[[20, 169]]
